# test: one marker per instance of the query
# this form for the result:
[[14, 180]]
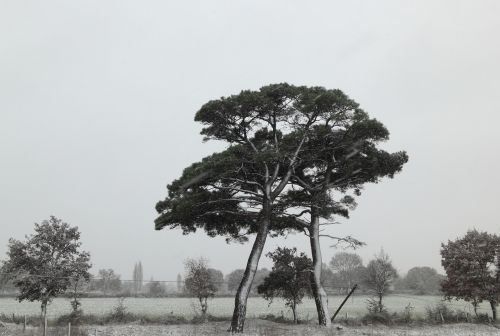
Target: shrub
[[482, 318], [120, 313], [374, 306], [408, 313], [75, 317], [441, 313], [377, 317]]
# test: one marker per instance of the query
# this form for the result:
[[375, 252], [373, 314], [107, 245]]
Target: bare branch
[[350, 241]]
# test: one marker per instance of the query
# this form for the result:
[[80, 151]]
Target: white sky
[[97, 100]]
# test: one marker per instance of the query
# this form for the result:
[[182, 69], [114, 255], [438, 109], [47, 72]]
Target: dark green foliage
[[274, 131], [48, 262], [289, 277], [289, 148]]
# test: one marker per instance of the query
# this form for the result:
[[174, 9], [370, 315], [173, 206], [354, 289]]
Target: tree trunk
[[240, 302], [319, 294], [294, 311], [44, 313], [380, 303], [204, 308], [493, 305]]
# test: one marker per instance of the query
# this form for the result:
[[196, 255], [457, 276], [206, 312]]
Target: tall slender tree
[[138, 278], [379, 276], [180, 285], [266, 130], [340, 155]]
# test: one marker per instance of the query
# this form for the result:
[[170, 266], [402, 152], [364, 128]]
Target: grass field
[[222, 307]]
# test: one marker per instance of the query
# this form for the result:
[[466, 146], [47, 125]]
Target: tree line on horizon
[[49, 263], [343, 271]]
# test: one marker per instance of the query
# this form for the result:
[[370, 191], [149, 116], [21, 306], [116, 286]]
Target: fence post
[[343, 302], [69, 328]]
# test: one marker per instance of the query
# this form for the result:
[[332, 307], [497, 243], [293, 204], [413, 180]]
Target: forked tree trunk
[[294, 311], [319, 294], [240, 301], [493, 305]]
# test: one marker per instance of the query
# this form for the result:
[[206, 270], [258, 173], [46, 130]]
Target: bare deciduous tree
[[200, 281], [379, 276], [347, 266]]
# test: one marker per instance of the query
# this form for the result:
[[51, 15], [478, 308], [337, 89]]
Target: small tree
[[217, 278], [80, 279], [233, 279], [156, 288], [423, 280], [45, 264], [289, 278], [472, 268], [379, 276], [180, 284], [347, 266], [6, 285], [108, 281], [200, 282]]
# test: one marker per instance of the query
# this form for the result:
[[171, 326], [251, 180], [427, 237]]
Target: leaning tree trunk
[[240, 302], [319, 294], [493, 305]]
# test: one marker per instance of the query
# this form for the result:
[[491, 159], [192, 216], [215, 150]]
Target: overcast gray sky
[[97, 100]]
